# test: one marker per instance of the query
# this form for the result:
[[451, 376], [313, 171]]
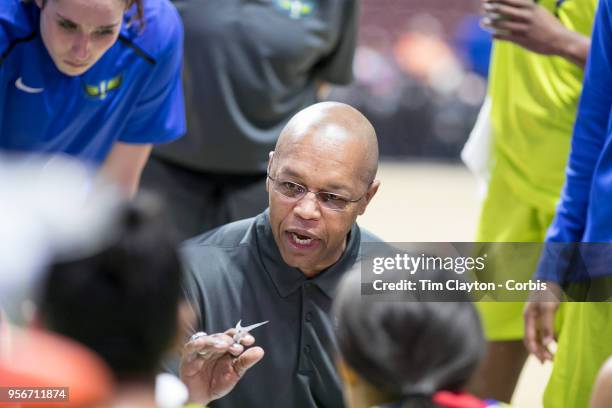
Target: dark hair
[[408, 349], [138, 16], [121, 301]]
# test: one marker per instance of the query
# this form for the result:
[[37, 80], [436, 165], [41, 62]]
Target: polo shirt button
[[307, 349], [308, 316]]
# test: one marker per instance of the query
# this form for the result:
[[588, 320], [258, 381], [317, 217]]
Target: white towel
[[477, 152]]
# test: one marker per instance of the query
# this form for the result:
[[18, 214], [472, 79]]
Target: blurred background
[[420, 75]]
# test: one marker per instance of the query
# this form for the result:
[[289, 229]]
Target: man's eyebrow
[[331, 187], [337, 187], [75, 24], [290, 173]]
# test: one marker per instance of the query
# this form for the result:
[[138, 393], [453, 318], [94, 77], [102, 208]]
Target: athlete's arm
[[124, 165], [590, 133], [531, 26]]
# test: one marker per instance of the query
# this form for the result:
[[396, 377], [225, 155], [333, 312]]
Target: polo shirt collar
[[287, 279]]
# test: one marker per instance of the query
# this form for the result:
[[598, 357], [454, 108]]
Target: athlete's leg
[[499, 372], [505, 217]]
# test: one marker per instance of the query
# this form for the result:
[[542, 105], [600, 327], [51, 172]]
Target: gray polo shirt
[[249, 66], [236, 273]]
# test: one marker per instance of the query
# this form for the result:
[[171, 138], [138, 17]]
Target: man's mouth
[[300, 240]]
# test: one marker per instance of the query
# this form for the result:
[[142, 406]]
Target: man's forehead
[[332, 141]]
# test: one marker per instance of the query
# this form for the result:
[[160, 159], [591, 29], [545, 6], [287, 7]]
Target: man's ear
[[39, 3], [372, 190], [269, 169], [270, 158]]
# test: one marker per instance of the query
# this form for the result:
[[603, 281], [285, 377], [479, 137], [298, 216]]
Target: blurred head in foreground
[[121, 298], [48, 203], [36, 358], [404, 352]]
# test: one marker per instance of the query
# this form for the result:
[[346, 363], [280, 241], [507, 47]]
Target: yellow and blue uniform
[[533, 105], [132, 94], [584, 214]]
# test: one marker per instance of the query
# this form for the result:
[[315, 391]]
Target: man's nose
[[80, 47], [307, 207]]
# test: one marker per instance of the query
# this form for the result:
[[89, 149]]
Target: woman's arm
[[124, 165]]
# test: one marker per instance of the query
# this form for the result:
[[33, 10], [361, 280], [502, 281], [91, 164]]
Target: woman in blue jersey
[[95, 79]]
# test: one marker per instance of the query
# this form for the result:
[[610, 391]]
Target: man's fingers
[[207, 345], [531, 337], [509, 26], [247, 340], [540, 328], [247, 360], [501, 12], [191, 365], [547, 329], [236, 349]]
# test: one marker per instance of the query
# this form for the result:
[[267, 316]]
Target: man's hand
[[212, 365], [539, 318], [534, 28]]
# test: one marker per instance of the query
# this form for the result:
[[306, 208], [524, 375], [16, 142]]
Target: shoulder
[[225, 236], [162, 34], [367, 236], [220, 245], [16, 22], [218, 260]]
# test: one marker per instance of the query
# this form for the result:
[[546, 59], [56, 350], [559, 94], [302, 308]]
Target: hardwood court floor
[[428, 202]]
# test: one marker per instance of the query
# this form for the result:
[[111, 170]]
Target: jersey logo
[[28, 89], [296, 8], [101, 90]]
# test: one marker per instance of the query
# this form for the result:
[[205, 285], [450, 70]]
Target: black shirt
[[236, 273], [249, 66]]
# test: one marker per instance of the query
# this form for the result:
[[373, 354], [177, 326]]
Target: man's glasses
[[297, 191]]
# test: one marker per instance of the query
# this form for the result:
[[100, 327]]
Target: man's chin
[[301, 262], [294, 261]]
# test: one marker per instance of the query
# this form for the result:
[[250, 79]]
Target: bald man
[[283, 266]]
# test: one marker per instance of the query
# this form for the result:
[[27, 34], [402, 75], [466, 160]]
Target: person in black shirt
[[249, 66], [284, 265]]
